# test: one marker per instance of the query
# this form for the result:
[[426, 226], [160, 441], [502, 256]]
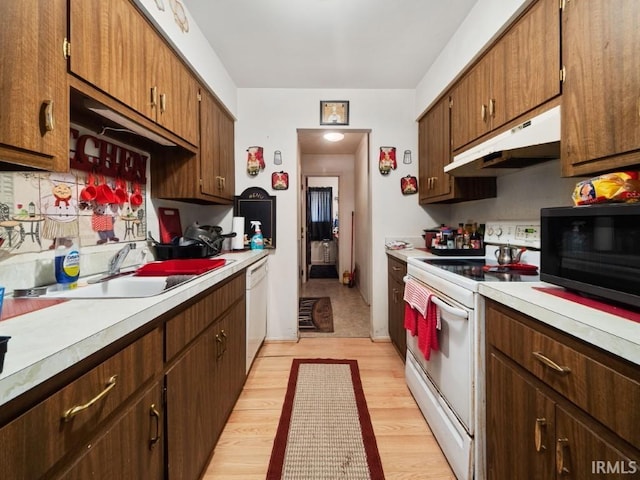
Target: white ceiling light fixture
[[334, 136]]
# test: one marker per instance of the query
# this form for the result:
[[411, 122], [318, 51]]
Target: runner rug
[[325, 431], [315, 314]]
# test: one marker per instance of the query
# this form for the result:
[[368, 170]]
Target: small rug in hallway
[[315, 314], [323, 271], [325, 430]]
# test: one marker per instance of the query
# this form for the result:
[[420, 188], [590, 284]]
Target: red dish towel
[[428, 331], [421, 316]]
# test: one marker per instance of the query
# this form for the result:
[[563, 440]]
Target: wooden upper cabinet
[[520, 72], [434, 143], [435, 153], [115, 49], [109, 49], [34, 112], [176, 92], [530, 62], [601, 92], [469, 107], [207, 177], [216, 149]]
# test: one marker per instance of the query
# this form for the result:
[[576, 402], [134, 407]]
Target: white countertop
[[604, 330], [47, 341]]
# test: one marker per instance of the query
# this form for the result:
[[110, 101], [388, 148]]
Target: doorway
[[340, 173], [322, 227]]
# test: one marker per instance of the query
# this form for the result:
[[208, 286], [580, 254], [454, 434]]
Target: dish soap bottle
[[257, 242], [67, 262]]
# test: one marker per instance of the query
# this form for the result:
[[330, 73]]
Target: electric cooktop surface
[[474, 269]]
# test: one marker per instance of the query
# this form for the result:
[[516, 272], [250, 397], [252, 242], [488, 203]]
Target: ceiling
[[346, 44], [312, 142], [328, 44]]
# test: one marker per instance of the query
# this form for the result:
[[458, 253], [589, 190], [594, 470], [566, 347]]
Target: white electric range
[[449, 387]]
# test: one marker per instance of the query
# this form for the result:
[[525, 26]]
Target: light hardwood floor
[[407, 448]]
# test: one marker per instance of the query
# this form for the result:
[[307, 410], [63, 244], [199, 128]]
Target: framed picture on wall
[[334, 112]]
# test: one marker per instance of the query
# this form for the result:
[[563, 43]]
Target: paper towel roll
[[237, 242]]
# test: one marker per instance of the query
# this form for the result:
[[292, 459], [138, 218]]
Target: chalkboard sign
[[256, 204]]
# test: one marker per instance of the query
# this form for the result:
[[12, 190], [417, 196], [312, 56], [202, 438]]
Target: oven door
[[450, 369]]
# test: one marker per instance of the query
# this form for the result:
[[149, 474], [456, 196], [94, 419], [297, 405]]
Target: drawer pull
[[540, 424], [561, 445], [153, 412], [551, 364], [73, 411]]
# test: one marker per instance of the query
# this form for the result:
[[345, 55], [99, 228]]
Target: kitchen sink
[[151, 279], [128, 286]]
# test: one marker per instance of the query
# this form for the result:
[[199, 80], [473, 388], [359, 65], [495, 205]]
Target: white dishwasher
[[256, 308]]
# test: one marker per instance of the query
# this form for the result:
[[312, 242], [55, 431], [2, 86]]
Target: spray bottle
[[257, 242]]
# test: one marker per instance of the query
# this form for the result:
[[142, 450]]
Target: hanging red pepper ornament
[[255, 161], [387, 160]]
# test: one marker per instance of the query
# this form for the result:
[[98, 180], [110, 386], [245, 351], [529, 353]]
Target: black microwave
[[593, 250]]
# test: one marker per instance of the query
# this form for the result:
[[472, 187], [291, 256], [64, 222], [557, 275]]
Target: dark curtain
[[319, 214]]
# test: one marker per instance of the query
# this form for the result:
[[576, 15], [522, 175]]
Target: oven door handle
[[457, 312]]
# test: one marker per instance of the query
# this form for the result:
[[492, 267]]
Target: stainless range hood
[[533, 141]]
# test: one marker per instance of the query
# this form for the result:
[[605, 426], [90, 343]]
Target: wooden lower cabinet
[[131, 448], [535, 431], [202, 387], [397, 270], [151, 408], [49, 436]]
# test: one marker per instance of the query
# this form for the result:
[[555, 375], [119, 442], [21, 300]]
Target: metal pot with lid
[[211, 236]]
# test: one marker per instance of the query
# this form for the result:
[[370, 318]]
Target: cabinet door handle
[[155, 415], [540, 424], [154, 96], [483, 112], [49, 122], [551, 364], [73, 411], [218, 346], [561, 444], [492, 108], [396, 269], [163, 102]]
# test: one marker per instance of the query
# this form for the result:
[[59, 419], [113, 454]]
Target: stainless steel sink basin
[[121, 287], [125, 285]]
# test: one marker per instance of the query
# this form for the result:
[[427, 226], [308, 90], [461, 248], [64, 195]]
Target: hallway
[[351, 315], [407, 447]]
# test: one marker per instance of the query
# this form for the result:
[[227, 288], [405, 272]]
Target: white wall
[[270, 118], [363, 220], [521, 195]]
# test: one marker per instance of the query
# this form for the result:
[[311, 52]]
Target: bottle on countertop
[[257, 241], [67, 262], [475, 237]]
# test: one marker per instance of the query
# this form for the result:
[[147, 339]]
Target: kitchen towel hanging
[[421, 316]]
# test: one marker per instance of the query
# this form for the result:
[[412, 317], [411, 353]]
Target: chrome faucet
[[115, 262]]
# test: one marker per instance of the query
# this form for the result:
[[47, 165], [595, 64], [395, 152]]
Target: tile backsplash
[[36, 208], [103, 212]]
